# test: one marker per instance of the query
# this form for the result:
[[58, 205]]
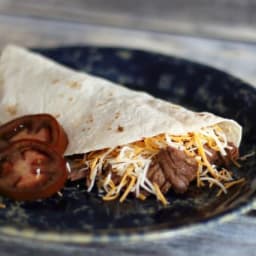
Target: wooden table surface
[[236, 237]]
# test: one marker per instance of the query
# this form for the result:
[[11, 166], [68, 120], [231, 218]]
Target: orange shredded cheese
[[160, 195], [141, 196], [128, 189], [203, 155]]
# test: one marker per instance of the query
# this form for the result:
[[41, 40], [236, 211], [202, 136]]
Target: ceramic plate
[[79, 217]]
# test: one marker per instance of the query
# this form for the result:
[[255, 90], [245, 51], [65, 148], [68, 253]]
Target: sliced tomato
[[31, 170], [43, 127]]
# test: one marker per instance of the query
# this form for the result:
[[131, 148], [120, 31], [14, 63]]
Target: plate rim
[[79, 238]]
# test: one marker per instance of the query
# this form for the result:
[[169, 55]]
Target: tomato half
[[43, 127], [31, 170]]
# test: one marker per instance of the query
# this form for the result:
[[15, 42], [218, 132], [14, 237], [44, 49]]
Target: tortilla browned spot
[[55, 81], [117, 114], [120, 128], [12, 109], [74, 85]]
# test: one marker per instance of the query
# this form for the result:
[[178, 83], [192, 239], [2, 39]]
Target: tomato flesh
[[42, 135], [43, 127], [31, 170]]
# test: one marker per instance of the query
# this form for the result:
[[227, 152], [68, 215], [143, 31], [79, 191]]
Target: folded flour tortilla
[[95, 113], [100, 115]]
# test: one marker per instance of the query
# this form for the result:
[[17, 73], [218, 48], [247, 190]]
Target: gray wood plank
[[233, 238], [219, 18], [237, 237], [236, 58]]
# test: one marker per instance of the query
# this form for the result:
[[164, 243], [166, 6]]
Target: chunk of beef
[[232, 154], [216, 158], [107, 168], [172, 167], [155, 174], [76, 172], [213, 156]]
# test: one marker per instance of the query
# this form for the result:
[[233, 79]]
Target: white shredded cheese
[[216, 182], [68, 167]]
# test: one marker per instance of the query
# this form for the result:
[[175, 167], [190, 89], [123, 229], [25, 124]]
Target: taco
[[122, 141]]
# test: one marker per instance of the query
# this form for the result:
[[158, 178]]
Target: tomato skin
[[19, 163], [43, 127]]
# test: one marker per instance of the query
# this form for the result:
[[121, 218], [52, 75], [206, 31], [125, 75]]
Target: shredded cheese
[[128, 189], [214, 181], [129, 164], [68, 167], [231, 184], [159, 194], [60, 194], [244, 157], [201, 151]]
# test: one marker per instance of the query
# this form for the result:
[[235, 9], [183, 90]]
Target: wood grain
[[234, 238], [230, 19], [236, 58], [237, 237]]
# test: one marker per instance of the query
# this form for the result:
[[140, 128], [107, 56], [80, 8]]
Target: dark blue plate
[[79, 217]]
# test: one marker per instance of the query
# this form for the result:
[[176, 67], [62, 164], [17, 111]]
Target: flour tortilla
[[95, 113]]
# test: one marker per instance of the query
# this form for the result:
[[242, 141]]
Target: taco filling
[[160, 163]]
